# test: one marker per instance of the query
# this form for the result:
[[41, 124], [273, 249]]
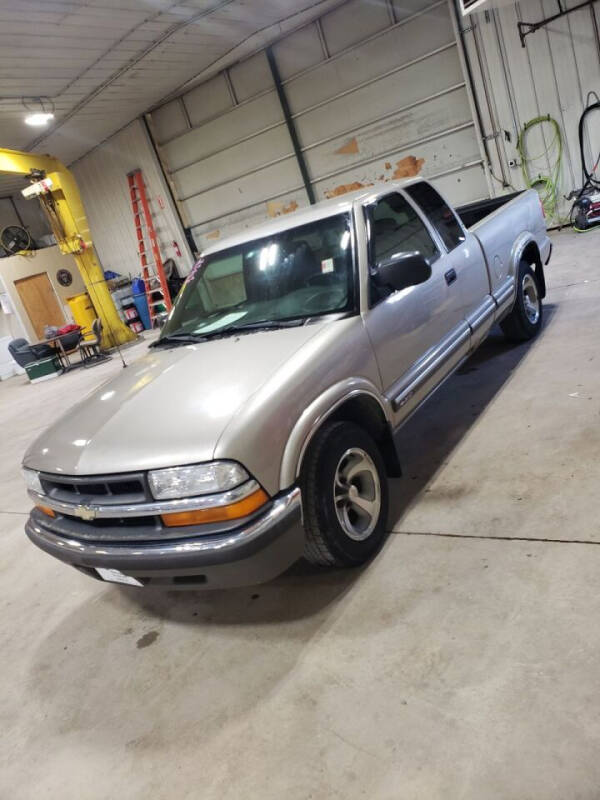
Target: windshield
[[291, 276]]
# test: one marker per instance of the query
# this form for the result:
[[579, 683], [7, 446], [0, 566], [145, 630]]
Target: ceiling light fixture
[[39, 110], [38, 119]]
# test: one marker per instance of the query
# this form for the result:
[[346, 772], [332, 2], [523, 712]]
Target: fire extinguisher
[[176, 248]]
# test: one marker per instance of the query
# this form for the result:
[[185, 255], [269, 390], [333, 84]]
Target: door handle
[[450, 276]]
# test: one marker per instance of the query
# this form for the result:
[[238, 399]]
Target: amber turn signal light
[[218, 513], [46, 510]]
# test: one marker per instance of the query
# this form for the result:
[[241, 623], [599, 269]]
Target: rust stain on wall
[[213, 235], [276, 208], [345, 188], [388, 165], [408, 167], [349, 149]]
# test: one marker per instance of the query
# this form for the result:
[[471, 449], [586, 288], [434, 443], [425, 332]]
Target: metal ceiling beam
[[289, 121]]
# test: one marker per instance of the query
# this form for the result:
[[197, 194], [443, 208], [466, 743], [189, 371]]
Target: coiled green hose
[[545, 185]]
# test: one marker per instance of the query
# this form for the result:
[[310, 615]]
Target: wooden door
[[41, 305]]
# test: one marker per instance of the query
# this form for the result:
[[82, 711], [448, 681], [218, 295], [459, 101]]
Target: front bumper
[[253, 553]]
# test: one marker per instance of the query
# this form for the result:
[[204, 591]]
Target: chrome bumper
[[254, 553]]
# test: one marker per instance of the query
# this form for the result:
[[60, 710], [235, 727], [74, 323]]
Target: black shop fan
[[14, 239]]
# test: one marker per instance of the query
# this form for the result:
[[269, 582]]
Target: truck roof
[[325, 208]]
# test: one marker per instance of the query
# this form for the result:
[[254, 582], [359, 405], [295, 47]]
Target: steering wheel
[[320, 279], [326, 298]]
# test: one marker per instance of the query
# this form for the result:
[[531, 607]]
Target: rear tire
[[344, 496], [525, 320]]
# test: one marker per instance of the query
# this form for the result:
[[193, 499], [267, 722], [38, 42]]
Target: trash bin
[[140, 302], [83, 312]]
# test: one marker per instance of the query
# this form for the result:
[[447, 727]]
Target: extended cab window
[[438, 212], [397, 228]]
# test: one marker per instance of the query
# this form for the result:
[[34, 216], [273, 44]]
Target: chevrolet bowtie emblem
[[85, 512]]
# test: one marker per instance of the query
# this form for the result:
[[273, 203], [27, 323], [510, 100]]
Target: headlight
[[32, 479], [175, 482]]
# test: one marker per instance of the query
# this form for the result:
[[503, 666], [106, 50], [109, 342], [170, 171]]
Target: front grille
[[105, 490]]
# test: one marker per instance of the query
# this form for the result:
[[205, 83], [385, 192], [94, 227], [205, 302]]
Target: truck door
[[464, 257], [418, 333]]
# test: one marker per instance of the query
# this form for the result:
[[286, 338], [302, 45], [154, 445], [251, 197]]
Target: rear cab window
[[438, 212]]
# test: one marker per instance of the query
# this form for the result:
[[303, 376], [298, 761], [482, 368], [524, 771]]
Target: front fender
[[314, 415]]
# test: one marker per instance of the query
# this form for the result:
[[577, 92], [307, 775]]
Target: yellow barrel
[[83, 312]]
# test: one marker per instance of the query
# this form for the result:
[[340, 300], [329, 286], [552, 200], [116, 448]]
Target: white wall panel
[[170, 120], [211, 230], [428, 128], [207, 100], [376, 91], [394, 93], [552, 75], [260, 187], [391, 50], [445, 152], [298, 51], [234, 162], [225, 131], [353, 22], [102, 179], [406, 8], [250, 77]]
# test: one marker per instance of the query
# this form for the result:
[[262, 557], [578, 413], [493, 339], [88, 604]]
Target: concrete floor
[[461, 663]]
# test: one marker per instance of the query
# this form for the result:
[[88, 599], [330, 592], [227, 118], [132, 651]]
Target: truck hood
[[166, 409]]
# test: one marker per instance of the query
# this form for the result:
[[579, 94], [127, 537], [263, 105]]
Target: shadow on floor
[[427, 440], [300, 593], [426, 443]]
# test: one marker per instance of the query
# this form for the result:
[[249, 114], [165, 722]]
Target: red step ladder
[[153, 273]]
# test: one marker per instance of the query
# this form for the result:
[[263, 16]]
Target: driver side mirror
[[401, 271]]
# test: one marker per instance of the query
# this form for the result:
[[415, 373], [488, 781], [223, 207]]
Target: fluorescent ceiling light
[[39, 118]]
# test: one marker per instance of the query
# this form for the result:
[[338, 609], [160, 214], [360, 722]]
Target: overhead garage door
[[376, 91]]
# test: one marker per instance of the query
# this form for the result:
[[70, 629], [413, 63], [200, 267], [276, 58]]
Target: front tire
[[525, 320], [345, 496]]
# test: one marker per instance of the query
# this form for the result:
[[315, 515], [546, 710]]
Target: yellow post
[[75, 237]]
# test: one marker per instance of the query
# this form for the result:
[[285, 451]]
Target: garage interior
[[459, 662]]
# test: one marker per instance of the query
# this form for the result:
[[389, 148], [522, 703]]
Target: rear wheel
[[525, 320], [345, 496]]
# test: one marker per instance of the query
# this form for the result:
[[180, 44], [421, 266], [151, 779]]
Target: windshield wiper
[[183, 337], [178, 338], [265, 324]]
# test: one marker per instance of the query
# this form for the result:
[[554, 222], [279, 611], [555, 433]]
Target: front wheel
[[525, 320], [345, 496]]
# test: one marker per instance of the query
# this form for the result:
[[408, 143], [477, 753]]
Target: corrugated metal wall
[[551, 75], [376, 90], [102, 180]]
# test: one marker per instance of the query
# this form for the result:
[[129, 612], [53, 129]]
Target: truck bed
[[472, 213], [500, 223]]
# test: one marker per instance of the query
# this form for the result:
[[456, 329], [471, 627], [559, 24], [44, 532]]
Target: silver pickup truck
[[262, 424]]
